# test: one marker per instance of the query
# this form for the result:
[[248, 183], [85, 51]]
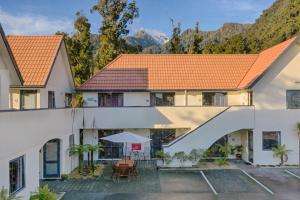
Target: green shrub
[[5, 196], [64, 177], [221, 161], [159, 154], [181, 156], [43, 193]]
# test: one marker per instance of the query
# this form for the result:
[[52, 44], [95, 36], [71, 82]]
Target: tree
[[80, 49], [92, 149], [281, 152], [175, 45], [78, 150], [116, 15], [195, 47]]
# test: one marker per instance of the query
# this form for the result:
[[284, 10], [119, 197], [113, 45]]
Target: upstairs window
[[271, 139], [214, 99], [162, 99], [68, 100], [110, 99], [293, 99], [51, 99], [16, 175], [28, 99]]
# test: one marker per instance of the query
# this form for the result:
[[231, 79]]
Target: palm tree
[[225, 149], [5, 196], [92, 149], [78, 150], [281, 152]]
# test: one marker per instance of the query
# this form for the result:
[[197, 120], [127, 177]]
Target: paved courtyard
[[259, 184]]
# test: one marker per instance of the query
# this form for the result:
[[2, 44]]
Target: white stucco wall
[[271, 107]]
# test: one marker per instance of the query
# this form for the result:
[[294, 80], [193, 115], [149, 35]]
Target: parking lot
[[250, 183]]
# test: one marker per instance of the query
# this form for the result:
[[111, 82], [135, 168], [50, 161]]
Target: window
[[71, 142], [68, 100], [51, 99], [28, 99], [110, 99], [111, 149], [293, 99], [214, 99], [16, 175], [160, 137], [270, 139], [162, 99]]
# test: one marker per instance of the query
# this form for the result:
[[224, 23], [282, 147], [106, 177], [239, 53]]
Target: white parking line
[[291, 173], [259, 183], [209, 184]]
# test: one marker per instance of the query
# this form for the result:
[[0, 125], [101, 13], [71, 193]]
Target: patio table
[[125, 162]]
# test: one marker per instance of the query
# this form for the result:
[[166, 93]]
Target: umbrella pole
[[125, 151]]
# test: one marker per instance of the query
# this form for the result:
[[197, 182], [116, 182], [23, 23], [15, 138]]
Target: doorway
[[51, 159], [250, 146]]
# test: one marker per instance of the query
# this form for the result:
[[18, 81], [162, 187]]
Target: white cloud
[[32, 24]]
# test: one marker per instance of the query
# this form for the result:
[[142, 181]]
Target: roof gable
[[35, 56], [14, 70]]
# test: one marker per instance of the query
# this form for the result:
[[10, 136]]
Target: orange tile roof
[[183, 71], [35, 56]]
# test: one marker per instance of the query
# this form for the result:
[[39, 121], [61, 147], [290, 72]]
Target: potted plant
[[195, 156], [238, 149], [181, 157], [281, 152], [159, 155]]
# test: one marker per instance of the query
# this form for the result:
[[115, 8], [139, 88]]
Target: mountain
[[143, 39], [276, 24]]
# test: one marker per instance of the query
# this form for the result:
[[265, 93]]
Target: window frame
[[68, 102], [22, 102], [110, 95], [153, 103], [287, 99], [278, 140], [213, 96], [23, 170], [51, 94]]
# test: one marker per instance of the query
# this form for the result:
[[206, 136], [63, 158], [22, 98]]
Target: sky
[[48, 16]]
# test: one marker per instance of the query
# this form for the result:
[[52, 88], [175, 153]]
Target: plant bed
[[213, 165], [87, 173]]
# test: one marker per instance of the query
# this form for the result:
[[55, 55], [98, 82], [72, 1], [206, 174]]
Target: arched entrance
[[51, 159]]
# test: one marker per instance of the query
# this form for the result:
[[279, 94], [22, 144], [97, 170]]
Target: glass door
[[250, 146], [52, 159]]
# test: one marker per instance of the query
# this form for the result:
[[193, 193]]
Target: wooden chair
[[124, 171]]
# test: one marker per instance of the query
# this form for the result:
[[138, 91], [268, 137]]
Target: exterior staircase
[[231, 119]]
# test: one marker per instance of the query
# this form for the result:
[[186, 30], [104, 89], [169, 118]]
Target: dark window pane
[[110, 99], [68, 100], [293, 99], [162, 99], [16, 175], [160, 137], [111, 149], [28, 99], [270, 140], [214, 99], [51, 99]]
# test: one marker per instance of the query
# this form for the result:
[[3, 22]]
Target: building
[[185, 102], [44, 66], [181, 102], [35, 77]]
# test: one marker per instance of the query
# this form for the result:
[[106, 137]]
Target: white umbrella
[[126, 137]]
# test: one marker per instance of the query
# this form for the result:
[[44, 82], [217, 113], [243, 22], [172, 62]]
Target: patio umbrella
[[126, 137]]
